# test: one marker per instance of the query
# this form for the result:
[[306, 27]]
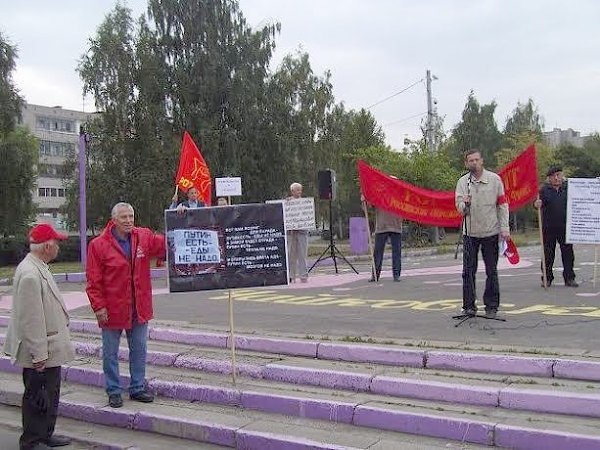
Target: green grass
[[59, 267], [358, 339]]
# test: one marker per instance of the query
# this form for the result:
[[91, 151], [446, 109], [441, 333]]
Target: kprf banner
[[226, 247], [438, 208]]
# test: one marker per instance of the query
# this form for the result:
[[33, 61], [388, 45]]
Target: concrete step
[[86, 435], [498, 361], [539, 394], [465, 423], [227, 426]]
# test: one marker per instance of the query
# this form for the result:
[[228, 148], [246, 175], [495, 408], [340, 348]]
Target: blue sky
[[505, 51]]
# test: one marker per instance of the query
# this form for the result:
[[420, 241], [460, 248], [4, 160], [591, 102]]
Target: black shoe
[[549, 283], [115, 400], [571, 283], [57, 441], [144, 397], [372, 280], [40, 446], [490, 313], [396, 278], [470, 312]]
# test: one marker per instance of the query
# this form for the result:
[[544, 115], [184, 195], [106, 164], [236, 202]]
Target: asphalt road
[[416, 310]]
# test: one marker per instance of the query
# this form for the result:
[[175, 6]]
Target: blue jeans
[[380, 241], [136, 340]]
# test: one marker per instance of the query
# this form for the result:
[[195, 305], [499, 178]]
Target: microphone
[[468, 203]]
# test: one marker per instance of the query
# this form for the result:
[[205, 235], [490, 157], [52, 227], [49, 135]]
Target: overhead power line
[[395, 94], [405, 119]]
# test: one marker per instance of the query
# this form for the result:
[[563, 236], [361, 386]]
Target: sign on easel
[[226, 247]]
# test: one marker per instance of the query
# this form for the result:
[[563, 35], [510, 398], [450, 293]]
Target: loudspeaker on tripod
[[327, 184]]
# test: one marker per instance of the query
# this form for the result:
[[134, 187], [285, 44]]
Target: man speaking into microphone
[[480, 199]]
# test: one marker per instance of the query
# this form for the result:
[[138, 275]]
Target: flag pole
[[364, 204], [232, 336], [540, 227], [595, 265]]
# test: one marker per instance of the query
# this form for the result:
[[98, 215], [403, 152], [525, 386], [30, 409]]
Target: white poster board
[[583, 211], [299, 213], [228, 187]]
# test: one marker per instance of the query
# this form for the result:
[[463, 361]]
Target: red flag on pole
[[193, 171]]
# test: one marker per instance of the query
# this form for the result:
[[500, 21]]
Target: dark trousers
[[380, 241], [551, 237], [489, 251], [39, 426]]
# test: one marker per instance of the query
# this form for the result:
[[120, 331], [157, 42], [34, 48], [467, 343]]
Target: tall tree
[[477, 129], [18, 151], [581, 162], [525, 119]]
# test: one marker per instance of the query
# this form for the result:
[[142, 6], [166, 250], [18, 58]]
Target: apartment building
[[558, 137], [57, 131]]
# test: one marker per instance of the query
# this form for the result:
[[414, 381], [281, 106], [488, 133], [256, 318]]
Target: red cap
[[44, 232], [511, 252]]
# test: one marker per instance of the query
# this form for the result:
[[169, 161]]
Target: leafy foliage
[[18, 152]]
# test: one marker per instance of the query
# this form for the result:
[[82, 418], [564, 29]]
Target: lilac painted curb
[[509, 436], [7, 366], [121, 418], [60, 277], [551, 402], [540, 367], [195, 393], [506, 364], [272, 345], [253, 440], [371, 354], [435, 390], [188, 337], [188, 429], [318, 377], [299, 407], [473, 431], [577, 370], [74, 277]]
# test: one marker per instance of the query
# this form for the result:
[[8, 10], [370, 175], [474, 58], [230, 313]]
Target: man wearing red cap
[[120, 292], [38, 339]]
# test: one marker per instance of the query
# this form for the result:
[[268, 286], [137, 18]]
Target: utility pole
[[429, 138], [429, 132]]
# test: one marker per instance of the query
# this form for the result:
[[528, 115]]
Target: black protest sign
[[226, 247]]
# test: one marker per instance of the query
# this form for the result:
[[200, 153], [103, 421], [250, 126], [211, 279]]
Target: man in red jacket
[[120, 292]]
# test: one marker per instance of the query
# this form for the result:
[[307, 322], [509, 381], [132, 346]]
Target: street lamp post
[[83, 138]]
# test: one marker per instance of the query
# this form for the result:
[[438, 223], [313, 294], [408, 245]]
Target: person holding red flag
[[193, 174], [191, 202]]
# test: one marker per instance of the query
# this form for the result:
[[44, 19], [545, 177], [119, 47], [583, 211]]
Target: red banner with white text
[[437, 208]]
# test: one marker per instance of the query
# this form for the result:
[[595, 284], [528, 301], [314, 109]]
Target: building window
[[63, 125], [51, 170], [51, 192], [61, 149]]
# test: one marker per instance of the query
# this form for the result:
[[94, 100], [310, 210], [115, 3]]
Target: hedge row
[[13, 250]]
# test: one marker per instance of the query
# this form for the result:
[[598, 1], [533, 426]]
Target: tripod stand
[[331, 248]]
